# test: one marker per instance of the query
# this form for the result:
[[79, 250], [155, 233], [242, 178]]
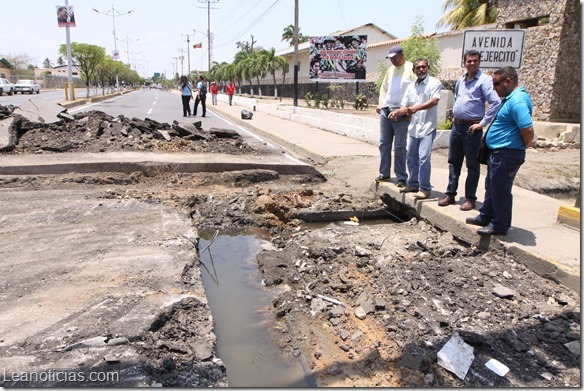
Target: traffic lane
[[53, 95], [166, 107]]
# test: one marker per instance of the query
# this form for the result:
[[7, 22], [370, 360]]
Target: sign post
[[498, 48]]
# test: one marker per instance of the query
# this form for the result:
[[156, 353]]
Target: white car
[[6, 87], [29, 86]]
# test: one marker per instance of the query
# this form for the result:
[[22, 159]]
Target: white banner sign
[[498, 48]]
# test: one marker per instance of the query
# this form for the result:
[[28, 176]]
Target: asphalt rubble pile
[[417, 287], [39, 126]]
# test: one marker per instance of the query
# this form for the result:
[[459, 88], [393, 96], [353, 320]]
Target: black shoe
[[382, 178], [203, 116], [401, 183], [447, 200], [476, 221], [489, 230]]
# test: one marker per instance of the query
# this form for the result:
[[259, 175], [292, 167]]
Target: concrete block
[[570, 216], [571, 134], [7, 134], [446, 103]]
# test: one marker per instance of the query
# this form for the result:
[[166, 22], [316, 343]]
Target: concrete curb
[[570, 216], [145, 162]]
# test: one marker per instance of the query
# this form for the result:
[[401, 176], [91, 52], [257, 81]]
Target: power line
[[240, 18], [251, 25]]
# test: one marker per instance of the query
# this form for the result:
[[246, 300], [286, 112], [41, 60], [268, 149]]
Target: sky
[[153, 36]]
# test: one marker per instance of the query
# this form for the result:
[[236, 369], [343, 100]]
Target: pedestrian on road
[[230, 89], [214, 91], [509, 134], [186, 95], [201, 96], [420, 104], [471, 92], [397, 78]]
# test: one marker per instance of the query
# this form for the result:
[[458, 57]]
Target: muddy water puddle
[[240, 304]]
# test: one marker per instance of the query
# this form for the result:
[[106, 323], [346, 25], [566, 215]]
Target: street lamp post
[[188, 52], [127, 41], [114, 13]]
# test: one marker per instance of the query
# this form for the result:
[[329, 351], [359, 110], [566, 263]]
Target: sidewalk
[[536, 239]]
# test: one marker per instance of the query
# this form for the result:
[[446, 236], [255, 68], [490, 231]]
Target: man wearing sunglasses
[[509, 134]]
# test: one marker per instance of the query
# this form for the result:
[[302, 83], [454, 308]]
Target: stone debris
[[498, 367], [39, 126], [415, 303], [503, 292]]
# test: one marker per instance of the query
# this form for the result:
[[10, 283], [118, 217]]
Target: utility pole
[[175, 65], [296, 65], [127, 41], [70, 86], [188, 52], [209, 27], [182, 57]]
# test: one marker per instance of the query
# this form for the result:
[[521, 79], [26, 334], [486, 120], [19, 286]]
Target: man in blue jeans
[[509, 134], [394, 132], [471, 93], [420, 103]]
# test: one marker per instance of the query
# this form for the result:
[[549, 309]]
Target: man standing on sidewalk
[[420, 103], [393, 87], [471, 92], [509, 134]]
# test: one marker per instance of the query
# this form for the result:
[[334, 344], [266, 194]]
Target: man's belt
[[466, 121]]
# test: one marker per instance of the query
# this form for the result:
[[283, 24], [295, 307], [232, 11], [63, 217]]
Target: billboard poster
[[341, 58], [65, 16]]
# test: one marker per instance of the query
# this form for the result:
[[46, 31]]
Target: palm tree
[[255, 65], [272, 63], [241, 68], [459, 14], [285, 68], [47, 63], [288, 35]]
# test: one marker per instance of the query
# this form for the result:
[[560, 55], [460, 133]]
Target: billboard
[[65, 16], [341, 58], [498, 48]]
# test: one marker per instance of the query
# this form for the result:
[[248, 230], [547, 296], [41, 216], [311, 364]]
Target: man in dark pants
[[201, 96], [509, 134], [472, 90]]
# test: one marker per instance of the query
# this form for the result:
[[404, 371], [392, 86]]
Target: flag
[[198, 45]]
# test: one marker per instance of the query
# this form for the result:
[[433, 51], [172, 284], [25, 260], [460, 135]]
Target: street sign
[[498, 48]]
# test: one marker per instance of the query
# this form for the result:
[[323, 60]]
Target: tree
[[245, 46], [86, 58], [288, 35], [47, 63], [418, 46], [60, 60], [459, 14], [272, 63]]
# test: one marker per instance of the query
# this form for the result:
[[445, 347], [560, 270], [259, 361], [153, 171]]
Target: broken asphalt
[[536, 239]]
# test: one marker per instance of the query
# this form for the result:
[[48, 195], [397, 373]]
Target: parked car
[[6, 87], [29, 86]]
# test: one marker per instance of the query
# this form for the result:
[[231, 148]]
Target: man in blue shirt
[[508, 136], [472, 90]]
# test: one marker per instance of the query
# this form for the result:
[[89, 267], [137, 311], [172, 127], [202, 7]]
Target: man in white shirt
[[420, 104], [393, 87]]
